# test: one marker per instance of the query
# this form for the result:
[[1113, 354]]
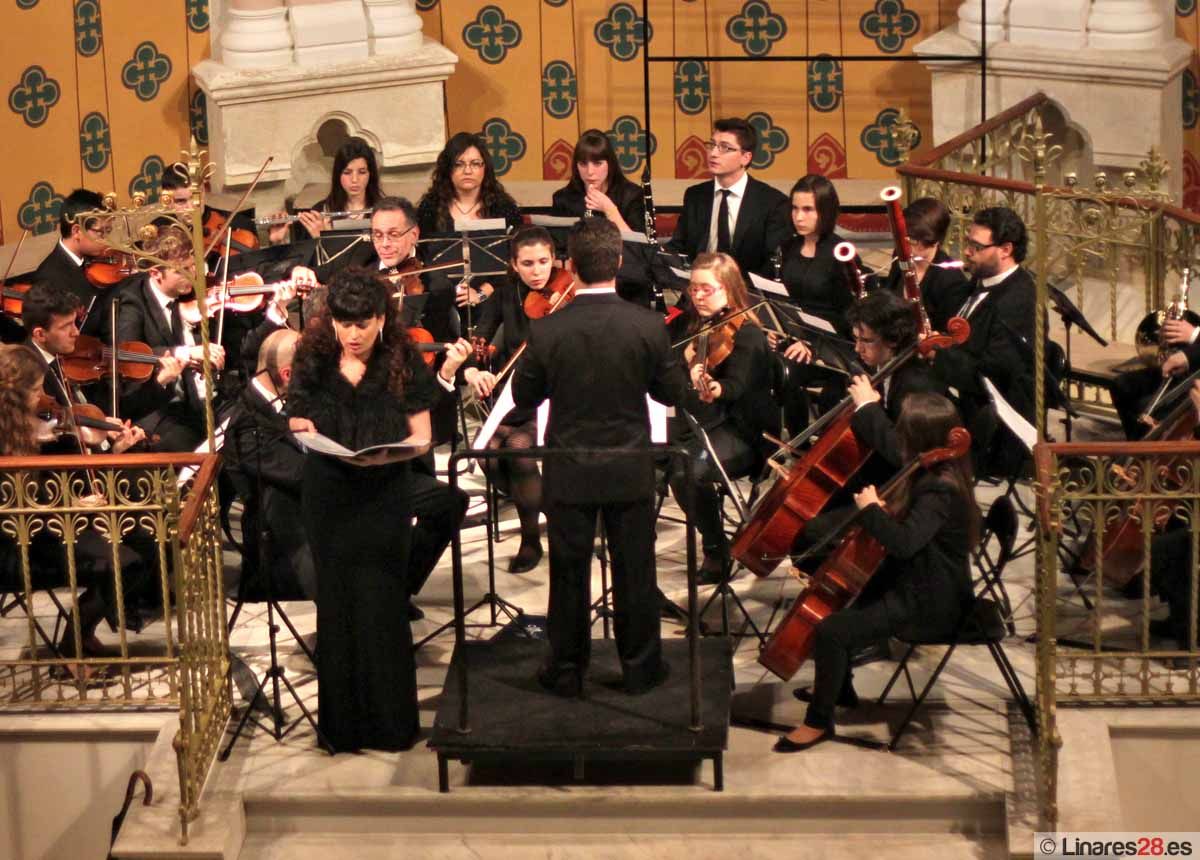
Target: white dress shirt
[[737, 192], [987, 283]]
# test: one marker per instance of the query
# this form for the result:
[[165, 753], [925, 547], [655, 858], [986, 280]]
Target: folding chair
[[982, 624]]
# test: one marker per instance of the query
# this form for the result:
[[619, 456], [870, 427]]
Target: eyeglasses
[[723, 148], [477, 164], [390, 236], [703, 290], [975, 247]]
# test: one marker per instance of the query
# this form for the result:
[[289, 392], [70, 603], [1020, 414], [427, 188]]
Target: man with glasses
[[79, 240], [734, 213], [1000, 310]]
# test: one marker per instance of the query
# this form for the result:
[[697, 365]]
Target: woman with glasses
[[353, 187], [730, 400], [598, 187]]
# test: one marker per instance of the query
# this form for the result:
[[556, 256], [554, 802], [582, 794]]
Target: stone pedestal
[[1124, 25], [1060, 24], [255, 35], [970, 19], [393, 26], [394, 102], [333, 31], [1121, 102]]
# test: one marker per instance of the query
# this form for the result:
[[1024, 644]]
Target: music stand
[[481, 247], [1070, 315]]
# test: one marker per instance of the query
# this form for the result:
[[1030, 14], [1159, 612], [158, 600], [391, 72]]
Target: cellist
[[924, 585], [730, 399]]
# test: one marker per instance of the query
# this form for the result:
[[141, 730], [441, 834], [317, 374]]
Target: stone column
[[328, 31], [393, 25], [1125, 25], [256, 35], [1059, 24], [970, 17]]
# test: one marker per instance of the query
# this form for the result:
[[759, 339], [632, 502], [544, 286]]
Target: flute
[[276, 220]]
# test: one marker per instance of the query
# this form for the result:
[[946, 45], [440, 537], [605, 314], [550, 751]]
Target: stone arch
[[312, 155], [1075, 141]]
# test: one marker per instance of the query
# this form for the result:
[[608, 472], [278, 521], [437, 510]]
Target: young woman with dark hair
[[924, 584], [353, 187], [464, 187], [357, 379], [944, 287], [598, 186]]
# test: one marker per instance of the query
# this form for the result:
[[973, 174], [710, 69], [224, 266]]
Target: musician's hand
[[1176, 364], [313, 222], [216, 355], [127, 438], [862, 391], [169, 369], [301, 425], [798, 351], [465, 295], [1178, 331], [456, 353], [1194, 395], [707, 388], [304, 277], [482, 382], [774, 338], [867, 497], [598, 201], [277, 233]]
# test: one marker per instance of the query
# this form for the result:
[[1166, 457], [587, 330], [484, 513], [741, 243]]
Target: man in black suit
[[1000, 310], [1132, 390], [596, 360], [734, 213], [79, 240], [149, 312]]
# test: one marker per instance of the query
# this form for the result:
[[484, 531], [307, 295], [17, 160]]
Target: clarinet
[[660, 303]]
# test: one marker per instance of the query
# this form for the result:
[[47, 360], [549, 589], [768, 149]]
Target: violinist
[[149, 312], [533, 266], [23, 433], [729, 368], [353, 187], [175, 182], [925, 583], [943, 286], [599, 187], [1000, 310], [734, 213], [596, 360], [79, 240], [50, 317]]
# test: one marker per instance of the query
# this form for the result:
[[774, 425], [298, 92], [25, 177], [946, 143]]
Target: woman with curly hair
[[20, 388], [358, 380], [464, 187]]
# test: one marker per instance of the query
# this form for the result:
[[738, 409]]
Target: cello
[[843, 575], [801, 492]]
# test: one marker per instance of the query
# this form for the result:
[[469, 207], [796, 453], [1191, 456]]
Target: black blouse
[[569, 202], [818, 284], [362, 415], [432, 217], [943, 291]]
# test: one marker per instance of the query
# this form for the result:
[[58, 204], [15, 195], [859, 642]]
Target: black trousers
[[1171, 576], [179, 427], [439, 510], [739, 460], [629, 527]]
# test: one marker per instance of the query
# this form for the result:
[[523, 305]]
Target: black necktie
[[723, 241], [175, 321]]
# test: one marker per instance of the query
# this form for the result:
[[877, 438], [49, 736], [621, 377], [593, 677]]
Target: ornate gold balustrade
[[123, 525]]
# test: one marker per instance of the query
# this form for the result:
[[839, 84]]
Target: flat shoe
[[804, 694], [783, 745], [526, 559]]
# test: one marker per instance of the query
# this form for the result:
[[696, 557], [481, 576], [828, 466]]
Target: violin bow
[[212, 243], [711, 326], [13, 259]]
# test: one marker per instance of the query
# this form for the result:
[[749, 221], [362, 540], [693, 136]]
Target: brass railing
[[1105, 511], [120, 526]]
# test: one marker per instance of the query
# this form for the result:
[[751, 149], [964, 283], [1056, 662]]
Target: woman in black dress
[[944, 287], [358, 380], [599, 187], [731, 402], [924, 584]]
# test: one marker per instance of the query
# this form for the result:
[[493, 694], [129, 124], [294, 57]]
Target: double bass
[[802, 491], [843, 575]]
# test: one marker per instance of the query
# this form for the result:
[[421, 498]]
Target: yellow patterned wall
[[98, 93]]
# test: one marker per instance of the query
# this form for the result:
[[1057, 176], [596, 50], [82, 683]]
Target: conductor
[[595, 361]]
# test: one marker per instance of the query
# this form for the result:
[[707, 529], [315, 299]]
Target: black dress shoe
[[783, 745], [526, 559], [846, 699], [713, 569], [565, 683], [414, 612], [664, 672]]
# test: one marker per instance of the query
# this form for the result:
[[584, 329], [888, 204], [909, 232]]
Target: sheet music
[[553, 220], [680, 273], [504, 404], [634, 237], [187, 472], [766, 285], [1011, 418], [480, 225]]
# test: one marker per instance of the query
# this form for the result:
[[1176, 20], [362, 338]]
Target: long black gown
[[359, 524]]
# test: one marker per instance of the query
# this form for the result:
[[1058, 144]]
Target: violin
[[77, 415], [92, 360], [423, 342], [14, 298], [244, 294], [712, 346], [558, 293], [240, 238], [109, 270], [802, 491], [843, 575], [407, 275]]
